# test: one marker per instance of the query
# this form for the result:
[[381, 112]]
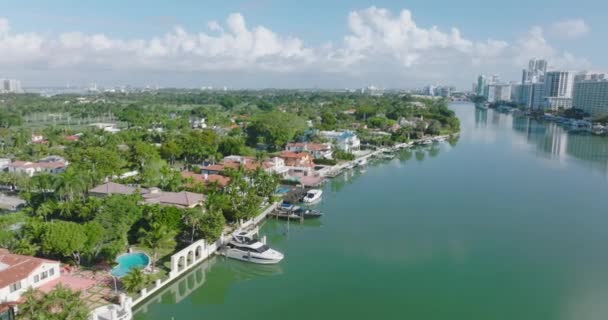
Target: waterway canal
[[509, 222]]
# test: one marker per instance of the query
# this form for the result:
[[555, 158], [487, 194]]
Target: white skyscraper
[[559, 86], [537, 68], [10, 86], [591, 96]]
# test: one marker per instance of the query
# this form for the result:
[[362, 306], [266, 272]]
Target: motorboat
[[361, 162], [244, 247], [439, 139], [312, 196], [307, 213], [296, 212]]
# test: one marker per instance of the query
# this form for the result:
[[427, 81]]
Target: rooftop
[[14, 267], [116, 188]]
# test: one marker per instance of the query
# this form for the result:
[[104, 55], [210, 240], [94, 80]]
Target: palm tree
[[45, 209], [59, 303], [193, 219], [157, 237], [134, 280], [25, 247], [70, 184]]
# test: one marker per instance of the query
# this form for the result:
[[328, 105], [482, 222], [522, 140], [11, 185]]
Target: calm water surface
[[508, 222]]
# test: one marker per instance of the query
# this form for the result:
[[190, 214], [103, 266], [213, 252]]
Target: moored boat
[[244, 247], [312, 196]]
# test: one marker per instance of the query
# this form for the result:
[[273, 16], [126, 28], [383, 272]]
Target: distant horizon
[[267, 44]]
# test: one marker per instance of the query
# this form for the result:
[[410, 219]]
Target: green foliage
[[343, 155], [212, 225], [232, 146], [157, 237], [64, 238], [58, 304], [274, 128], [135, 280], [327, 162]]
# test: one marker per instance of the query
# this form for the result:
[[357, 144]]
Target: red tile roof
[[15, 267], [180, 199], [293, 155], [201, 178]]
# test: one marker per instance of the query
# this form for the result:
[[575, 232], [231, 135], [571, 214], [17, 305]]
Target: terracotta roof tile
[[15, 267]]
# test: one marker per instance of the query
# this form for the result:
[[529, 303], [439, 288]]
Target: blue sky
[[303, 42]]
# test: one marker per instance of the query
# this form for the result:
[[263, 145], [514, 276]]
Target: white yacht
[[312, 196], [244, 247]]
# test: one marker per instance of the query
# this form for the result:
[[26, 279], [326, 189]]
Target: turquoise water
[[129, 261], [509, 222]]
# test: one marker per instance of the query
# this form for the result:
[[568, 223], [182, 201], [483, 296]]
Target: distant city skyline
[[290, 44]]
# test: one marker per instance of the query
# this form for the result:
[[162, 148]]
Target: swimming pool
[[128, 261], [282, 190]]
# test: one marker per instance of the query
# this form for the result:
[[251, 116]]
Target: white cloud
[[379, 44], [570, 29], [534, 44]]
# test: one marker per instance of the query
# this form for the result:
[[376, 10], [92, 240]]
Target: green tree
[[64, 238], [171, 150], [71, 184], [274, 129], [58, 304], [157, 237], [134, 281], [212, 225]]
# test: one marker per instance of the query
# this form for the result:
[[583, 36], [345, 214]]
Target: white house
[[317, 150], [344, 140], [276, 165], [196, 123], [50, 164], [37, 138], [18, 273], [107, 127]]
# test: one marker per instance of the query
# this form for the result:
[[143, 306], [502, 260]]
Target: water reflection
[[216, 275], [555, 142], [481, 118], [419, 153]]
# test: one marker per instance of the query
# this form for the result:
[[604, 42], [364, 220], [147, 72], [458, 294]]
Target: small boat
[[307, 213], [296, 213], [361, 162], [244, 247], [439, 139], [312, 196]]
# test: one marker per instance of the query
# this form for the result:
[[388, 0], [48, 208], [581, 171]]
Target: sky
[[294, 44]]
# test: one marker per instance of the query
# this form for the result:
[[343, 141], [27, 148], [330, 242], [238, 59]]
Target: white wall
[[6, 295]]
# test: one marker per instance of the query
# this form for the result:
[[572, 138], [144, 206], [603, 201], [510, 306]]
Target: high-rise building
[[537, 68], [498, 92], [10, 86], [538, 95], [516, 91], [559, 86], [586, 76], [482, 81], [591, 96]]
